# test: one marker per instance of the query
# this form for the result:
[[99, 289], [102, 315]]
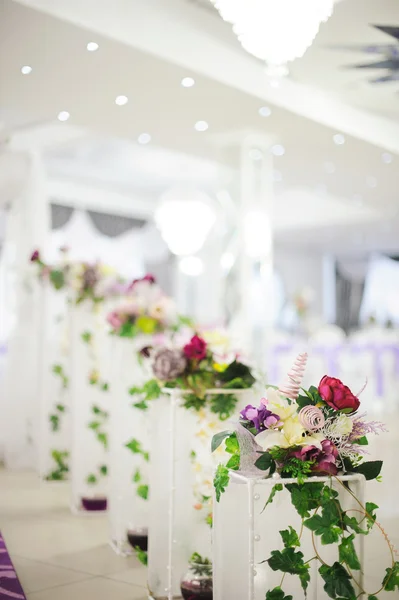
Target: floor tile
[[36, 576], [135, 575], [100, 560], [97, 588]]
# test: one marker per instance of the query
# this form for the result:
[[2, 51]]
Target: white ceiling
[[144, 51]]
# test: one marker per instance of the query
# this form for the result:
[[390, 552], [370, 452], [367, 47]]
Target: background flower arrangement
[[298, 434]]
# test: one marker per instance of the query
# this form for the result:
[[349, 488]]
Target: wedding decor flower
[[303, 435], [195, 368], [147, 310]]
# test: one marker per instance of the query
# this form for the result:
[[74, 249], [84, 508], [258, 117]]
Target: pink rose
[[325, 459], [337, 395], [195, 349], [114, 320]]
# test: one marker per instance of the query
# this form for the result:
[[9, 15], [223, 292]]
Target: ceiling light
[[339, 139], [262, 30], [26, 69], [371, 181], [63, 115], [329, 167], [187, 82], [201, 126], [92, 46], [191, 266], [255, 154], [121, 100], [386, 158], [144, 138], [264, 111], [278, 150]]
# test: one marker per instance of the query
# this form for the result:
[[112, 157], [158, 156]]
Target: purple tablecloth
[[9, 583]]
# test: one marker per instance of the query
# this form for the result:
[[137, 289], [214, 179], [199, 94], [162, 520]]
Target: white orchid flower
[[278, 404], [292, 434]]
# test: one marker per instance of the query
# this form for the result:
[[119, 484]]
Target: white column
[[329, 289]]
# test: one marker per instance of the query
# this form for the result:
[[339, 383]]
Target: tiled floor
[[61, 557], [58, 556]]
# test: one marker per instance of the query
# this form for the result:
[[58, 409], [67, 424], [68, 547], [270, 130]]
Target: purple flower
[[362, 428], [325, 459], [261, 417]]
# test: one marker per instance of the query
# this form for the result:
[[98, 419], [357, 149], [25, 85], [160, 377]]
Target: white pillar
[[329, 289]]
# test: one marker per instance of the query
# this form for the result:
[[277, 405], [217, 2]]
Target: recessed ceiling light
[[339, 139], [121, 100], [144, 138], [329, 167], [371, 181], [386, 158], [278, 150], [63, 115], [277, 176], [201, 126], [26, 69], [187, 82], [255, 154], [264, 111], [92, 46]]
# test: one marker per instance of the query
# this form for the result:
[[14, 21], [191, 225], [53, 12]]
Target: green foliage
[[297, 468], [142, 405], [234, 462], [102, 437], [371, 516], [237, 370], [328, 525], [391, 579], [128, 329], [276, 488], [223, 405], [62, 469], [290, 561], [265, 462], [352, 523], [142, 491], [218, 439], [337, 581], [347, 553], [141, 555], [57, 278], [310, 396], [221, 481], [200, 565], [370, 469], [87, 337], [136, 448], [104, 387], [277, 594], [151, 390], [305, 498], [104, 470], [290, 537], [91, 479], [137, 476], [209, 520], [54, 422], [193, 401], [94, 425], [59, 371]]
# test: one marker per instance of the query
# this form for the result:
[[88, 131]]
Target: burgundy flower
[[337, 395], [325, 459], [150, 278], [195, 349], [35, 257]]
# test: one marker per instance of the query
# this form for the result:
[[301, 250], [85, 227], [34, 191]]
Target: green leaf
[[353, 524], [151, 390], [91, 479], [290, 561], [104, 470], [372, 598], [55, 422], [391, 579], [290, 537], [193, 401], [232, 445], [276, 488], [102, 438], [134, 446], [221, 480], [57, 279], [105, 387], [142, 405], [96, 410], [277, 594], [135, 390], [265, 462], [142, 491], [370, 469], [87, 336], [218, 439], [237, 370], [57, 369], [370, 509], [233, 463], [141, 555], [303, 401], [347, 553], [137, 476], [223, 405], [363, 441], [337, 581], [94, 425], [60, 408], [305, 498], [322, 526]]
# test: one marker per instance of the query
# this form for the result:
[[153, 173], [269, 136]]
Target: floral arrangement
[[87, 281], [194, 367], [301, 434], [147, 311]]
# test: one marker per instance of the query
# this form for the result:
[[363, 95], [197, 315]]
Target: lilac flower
[[261, 417], [362, 428]]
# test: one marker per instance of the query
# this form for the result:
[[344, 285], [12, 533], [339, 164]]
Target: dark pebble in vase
[[189, 593], [94, 504], [138, 539]]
